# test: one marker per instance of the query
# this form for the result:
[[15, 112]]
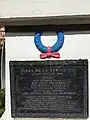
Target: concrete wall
[[42, 8], [19, 47], [76, 45]]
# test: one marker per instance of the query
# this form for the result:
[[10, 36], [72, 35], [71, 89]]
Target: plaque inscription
[[49, 88]]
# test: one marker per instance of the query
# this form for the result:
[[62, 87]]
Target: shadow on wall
[[8, 34]]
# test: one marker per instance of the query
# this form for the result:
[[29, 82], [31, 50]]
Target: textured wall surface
[[19, 47], [41, 8]]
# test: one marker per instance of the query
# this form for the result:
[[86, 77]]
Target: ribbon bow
[[49, 54]]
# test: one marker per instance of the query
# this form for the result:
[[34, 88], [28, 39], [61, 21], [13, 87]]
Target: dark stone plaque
[[51, 88]]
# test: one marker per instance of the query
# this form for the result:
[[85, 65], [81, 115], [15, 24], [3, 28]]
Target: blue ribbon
[[56, 47]]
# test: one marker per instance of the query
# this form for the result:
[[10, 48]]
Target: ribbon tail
[[55, 55], [43, 56]]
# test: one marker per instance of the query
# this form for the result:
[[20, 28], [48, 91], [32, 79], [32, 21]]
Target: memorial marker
[[50, 88]]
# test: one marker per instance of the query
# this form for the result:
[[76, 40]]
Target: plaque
[[49, 88]]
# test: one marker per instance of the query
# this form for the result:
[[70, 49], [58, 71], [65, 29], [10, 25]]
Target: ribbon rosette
[[49, 54]]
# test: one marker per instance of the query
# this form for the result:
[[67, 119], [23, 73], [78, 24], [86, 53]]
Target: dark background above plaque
[[50, 88]]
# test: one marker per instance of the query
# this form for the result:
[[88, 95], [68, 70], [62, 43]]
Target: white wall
[[21, 47], [42, 8]]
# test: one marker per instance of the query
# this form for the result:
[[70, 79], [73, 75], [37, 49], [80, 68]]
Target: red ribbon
[[49, 54]]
